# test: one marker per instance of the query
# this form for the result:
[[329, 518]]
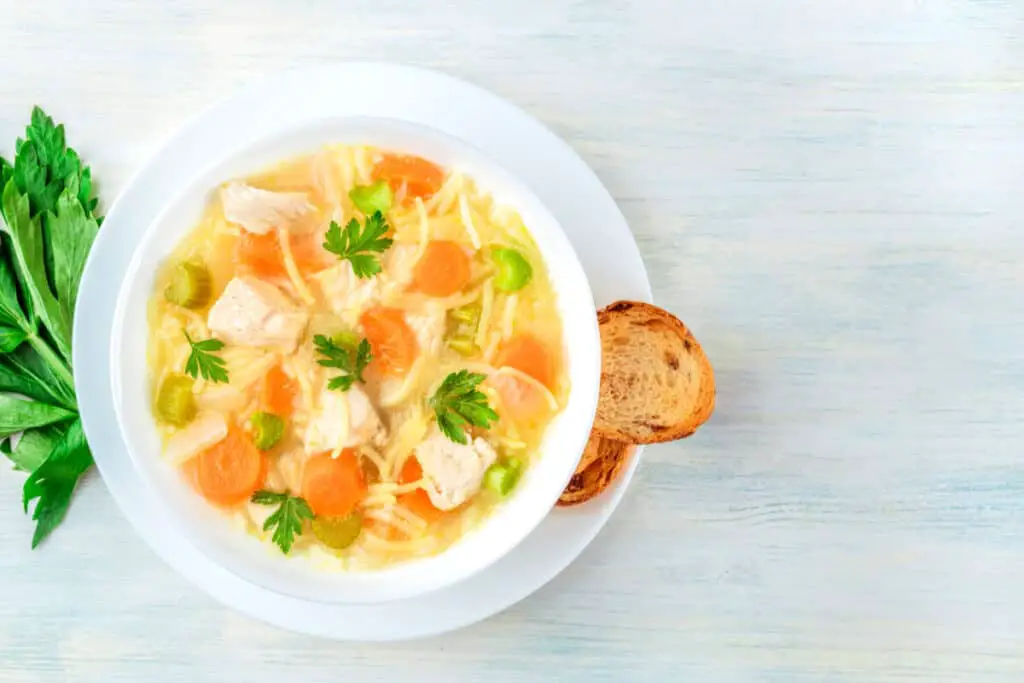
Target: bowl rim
[[571, 189], [581, 344]]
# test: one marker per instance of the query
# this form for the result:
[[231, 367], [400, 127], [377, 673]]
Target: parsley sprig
[[286, 521], [203, 360], [359, 246], [458, 403], [352, 361]]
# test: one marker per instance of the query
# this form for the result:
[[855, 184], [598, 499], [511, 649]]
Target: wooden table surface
[[830, 192]]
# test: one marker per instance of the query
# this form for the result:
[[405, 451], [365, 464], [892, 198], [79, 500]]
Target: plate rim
[[97, 404]]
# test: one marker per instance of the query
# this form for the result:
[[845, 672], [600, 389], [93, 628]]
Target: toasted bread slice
[[602, 462], [656, 383]]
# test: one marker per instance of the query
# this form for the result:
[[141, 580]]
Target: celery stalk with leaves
[[49, 224]]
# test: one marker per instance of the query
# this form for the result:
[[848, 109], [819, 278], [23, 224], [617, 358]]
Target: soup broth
[[355, 354]]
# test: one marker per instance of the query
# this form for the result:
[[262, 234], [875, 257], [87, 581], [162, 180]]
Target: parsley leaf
[[53, 482], [359, 246], [458, 403], [287, 519], [339, 357], [203, 360]]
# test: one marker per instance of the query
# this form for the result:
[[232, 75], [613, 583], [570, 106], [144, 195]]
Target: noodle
[[508, 318], [424, 229], [467, 222], [486, 308], [292, 269], [373, 456], [362, 168]]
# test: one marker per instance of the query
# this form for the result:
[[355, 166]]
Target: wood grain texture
[[830, 193]]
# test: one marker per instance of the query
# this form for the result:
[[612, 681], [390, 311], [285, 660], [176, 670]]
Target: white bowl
[[259, 563]]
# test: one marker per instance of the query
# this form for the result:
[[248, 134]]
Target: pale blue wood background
[[830, 192]]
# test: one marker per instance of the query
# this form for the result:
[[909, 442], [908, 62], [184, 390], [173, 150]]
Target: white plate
[[514, 140]]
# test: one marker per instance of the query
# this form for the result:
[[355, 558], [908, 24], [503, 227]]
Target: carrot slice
[[417, 502], [309, 253], [422, 178], [261, 254], [229, 471], [443, 269], [527, 354], [277, 393], [333, 487], [393, 342], [520, 400]]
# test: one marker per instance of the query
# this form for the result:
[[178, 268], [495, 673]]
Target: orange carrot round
[[417, 502], [422, 178], [443, 269], [333, 487], [520, 400], [260, 254], [229, 472], [527, 354], [309, 253], [277, 393], [393, 342]]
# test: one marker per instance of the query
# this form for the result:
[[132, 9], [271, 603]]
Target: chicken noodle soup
[[356, 353]]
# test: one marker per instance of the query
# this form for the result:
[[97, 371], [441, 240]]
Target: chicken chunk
[[453, 472], [343, 420], [346, 294], [205, 431], [252, 312], [260, 211], [399, 263], [429, 328]]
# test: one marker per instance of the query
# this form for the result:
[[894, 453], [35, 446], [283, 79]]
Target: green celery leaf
[[30, 260], [53, 482], [6, 171], [24, 372], [45, 167], [15, 300], [19, 414], [85, 190], [10, 338], [13, 380], [71, 233], [11, 313], [34, 445], [30, 175], [48, 138]]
